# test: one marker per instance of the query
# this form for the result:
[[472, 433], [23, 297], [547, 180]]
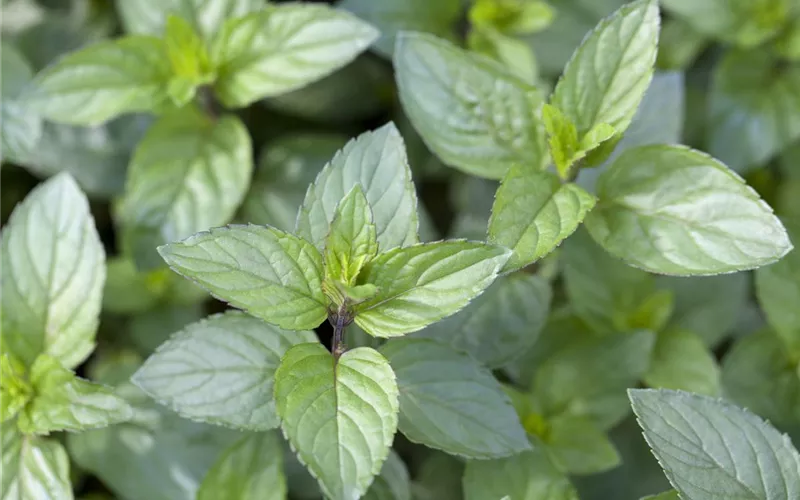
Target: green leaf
[[33, 467], [286, 167], [148, 330], [15, 392], [706, 445], [393, 482], [150, 16], [607, 76], [472, 113], [352, 240], [272, 275], [63, 401], [679, 45], [682, 361], [562, 136], [424, 283], [251, 469], [579, 447], [513, 53], [758, 373], [377, 161], [283, 48], [186, 52], [20, 128], [577, 380], [707, 306], [449, 402], [189, 173], [340, 416], [439, 478], [778, 292], [667, 495], [517, 17], [500, 324], [127, 290], [439, 18], [674, 210], [103, 80], [528, 476], [220, 370], [753, 110], [53, 273], [534, 212]]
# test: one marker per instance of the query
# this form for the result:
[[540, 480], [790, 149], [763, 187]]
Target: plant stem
[[340, 323]]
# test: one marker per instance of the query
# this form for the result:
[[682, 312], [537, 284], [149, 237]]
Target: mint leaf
[[424, 283], [393, 482], [759, 373], [451, 403], [286, 167], [282, 48], [528, 476], [607, 76], [576, 379], [272, 275], [189, 173], [708, 445], [103, 80], [33, 467], [534, 212], [20, 128], [53, 274], [515, 55], [15, 391], [149, 16], [439, 478], [352, 241], [220, 370], [251, 469], [778, 292], [578, 446], [377, 161], [682, 361], [469, 110], [643, 215], [439, 18], [749, 88], [63, 401], [667, 495], [340, 416], [188, 57], [499, 325]]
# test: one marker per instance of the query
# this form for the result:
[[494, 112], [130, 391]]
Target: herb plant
[[400, 249]]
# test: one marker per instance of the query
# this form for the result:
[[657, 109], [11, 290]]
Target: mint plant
[[396, 249]]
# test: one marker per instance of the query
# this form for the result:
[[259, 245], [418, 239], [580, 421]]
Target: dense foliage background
[[727, 82]]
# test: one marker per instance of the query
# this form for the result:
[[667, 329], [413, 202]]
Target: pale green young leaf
[[188, 174], [20, 128], [65, 402], [251, 469], [286, 167], [667, 495], [579, 447], [53, 269], [352, 240], [451, 403], [283, 48], [576, 378], [15, 391], [207, 16], [377, 161], [424, 283], [708, 445], [186, 51], [562, 136], [439, 18], [220, 370], [393, 482], [33, 468], [607, 76], [534, 212], [778, 292], [103, 80], [501, 324], [758, 373], [516, 17], [270, 274], [528, 476], [339, 415], [472, 113], [753, 110], [682, 361], [674, 210]]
